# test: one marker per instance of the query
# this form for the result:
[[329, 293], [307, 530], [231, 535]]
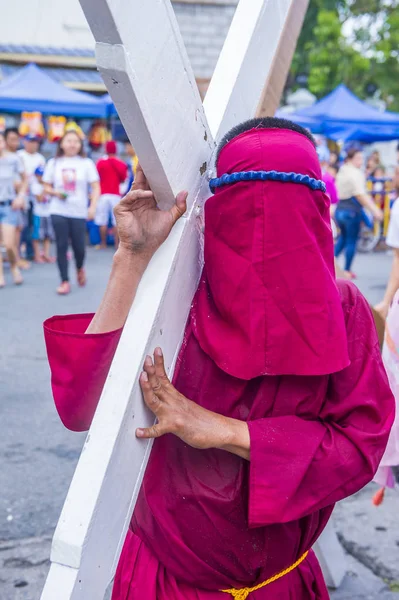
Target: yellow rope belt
[[243, 593]]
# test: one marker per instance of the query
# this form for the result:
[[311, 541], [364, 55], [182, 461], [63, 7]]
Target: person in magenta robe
[[279, 405]]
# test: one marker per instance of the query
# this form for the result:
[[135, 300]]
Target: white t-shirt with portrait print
[[72, 175]]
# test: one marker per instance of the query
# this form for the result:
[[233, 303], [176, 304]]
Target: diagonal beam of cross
[[143, 61]]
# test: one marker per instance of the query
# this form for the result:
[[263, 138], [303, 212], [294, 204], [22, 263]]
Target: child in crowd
[[42, 227], [378, 174]]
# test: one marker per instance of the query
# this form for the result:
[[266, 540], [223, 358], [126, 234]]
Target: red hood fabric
[[268, 303]]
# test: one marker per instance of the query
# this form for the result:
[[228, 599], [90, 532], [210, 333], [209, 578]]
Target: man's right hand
[[378, 214], [142, 226]]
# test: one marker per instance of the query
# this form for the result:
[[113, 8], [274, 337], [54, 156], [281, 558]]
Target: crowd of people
[[351, 203], [42, 202]]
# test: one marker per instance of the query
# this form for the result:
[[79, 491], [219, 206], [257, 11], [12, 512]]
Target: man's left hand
[[197, 426]]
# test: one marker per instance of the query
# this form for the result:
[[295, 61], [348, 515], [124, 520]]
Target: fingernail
[[144, 376], [148, 361], [158, 351], [139, 432]]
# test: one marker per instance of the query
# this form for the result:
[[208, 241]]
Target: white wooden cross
[[144, 64]]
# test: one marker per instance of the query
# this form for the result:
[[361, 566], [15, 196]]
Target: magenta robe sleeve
[[79, 365], [299, 466]]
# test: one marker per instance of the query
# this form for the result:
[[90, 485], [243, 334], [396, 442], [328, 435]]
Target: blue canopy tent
[[308, 122], [342, 115], [364, 133], [111, 110], [33, 90]]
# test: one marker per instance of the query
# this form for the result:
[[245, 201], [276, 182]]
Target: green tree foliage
[[386, 63], [332, 60], [368, 52]]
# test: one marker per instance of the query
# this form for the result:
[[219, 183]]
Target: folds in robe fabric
[[268, 303], [79, 366], [211, 520], [271, 340]]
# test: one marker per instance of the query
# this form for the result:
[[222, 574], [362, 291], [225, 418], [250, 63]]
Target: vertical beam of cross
[[275, 82], [280, 21], [143, 61]]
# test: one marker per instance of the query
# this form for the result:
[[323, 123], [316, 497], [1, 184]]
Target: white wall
[[58, 23], [61, 23]]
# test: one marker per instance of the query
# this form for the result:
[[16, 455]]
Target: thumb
[[140, 180], [149, 432], [180, 206]]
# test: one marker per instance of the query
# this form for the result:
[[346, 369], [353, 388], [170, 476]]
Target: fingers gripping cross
[[145, 66]]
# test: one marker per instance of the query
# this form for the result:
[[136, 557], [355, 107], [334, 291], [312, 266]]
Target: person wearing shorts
[[43, 232], [112, 172], [13, 142], [32, 159], [11, 203]]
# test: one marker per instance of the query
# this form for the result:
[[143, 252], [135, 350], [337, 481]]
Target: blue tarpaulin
[[343, 116], [111, 110], [33, 90]]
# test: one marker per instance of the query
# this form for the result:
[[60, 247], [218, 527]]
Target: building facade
[[55, 35]]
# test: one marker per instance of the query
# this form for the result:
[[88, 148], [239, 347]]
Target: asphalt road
[[38, 455]]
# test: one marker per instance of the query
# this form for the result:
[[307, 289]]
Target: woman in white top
[[353, 198], [67, 180]]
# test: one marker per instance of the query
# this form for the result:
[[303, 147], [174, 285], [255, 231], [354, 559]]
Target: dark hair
[[334, 166], [378, 168], [352, 152], [396, 179], [60, 152], [262, 123], [10, 130]]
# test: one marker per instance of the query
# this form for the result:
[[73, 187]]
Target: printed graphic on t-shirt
[[69, 180]]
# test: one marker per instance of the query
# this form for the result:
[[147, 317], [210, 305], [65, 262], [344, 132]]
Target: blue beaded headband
[[227, 178]]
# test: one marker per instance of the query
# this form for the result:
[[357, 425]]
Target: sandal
[[49, 259], [82, 279], [16, 274], [64, 288], [24, 264]]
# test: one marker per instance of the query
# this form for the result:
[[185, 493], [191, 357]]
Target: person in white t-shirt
[[70, 178], [43, 233], [31, 159], [353, 198]]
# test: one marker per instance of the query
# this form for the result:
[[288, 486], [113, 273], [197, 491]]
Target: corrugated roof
[[45, 50], [203, 26], [59, 74]]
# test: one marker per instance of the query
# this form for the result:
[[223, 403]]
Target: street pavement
[[38, 455]]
